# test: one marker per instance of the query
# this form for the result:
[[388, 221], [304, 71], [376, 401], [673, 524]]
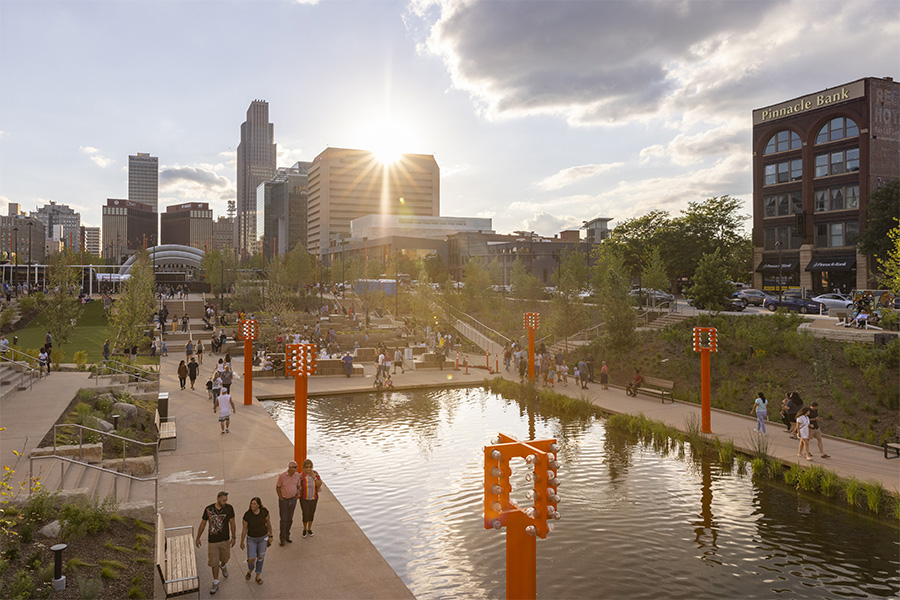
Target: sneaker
[[281, 542], [310, 533], [225, 571], [214, 588], [227, 430], [304, 533], [826, 456]]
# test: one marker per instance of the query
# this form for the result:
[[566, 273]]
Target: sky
[[540, 114]]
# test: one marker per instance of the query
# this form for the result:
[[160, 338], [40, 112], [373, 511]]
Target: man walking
[[193, 369], [287, 487], [221, 536], [224, 405]]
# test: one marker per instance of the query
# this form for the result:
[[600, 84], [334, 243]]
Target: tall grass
[[875, 495], [852, 491]]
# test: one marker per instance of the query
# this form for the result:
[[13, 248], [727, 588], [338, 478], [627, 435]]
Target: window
[[835, 163], [781, 205], [832, 235], [789, 170], [786, 234], [781, 141], [837, 129]]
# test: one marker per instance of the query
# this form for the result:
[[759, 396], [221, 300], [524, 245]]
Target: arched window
[[783, 140], [837, 129]]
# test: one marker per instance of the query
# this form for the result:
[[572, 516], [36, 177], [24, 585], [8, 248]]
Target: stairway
[[12, 379], [79, 479], [664, 321]]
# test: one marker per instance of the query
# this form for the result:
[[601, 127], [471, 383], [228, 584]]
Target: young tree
[[611, 285], [711, 286], [475, 292], [134, 309], [882, 209], [61, 305], [524, 284], [654, 274], [890, 265], [219, 267]]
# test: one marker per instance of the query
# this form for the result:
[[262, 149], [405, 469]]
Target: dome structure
[[169, 258]]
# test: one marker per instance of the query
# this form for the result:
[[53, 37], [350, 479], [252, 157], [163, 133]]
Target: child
[[564, 374], [803, 430], [551, 376], [575, 373], [388, 383]]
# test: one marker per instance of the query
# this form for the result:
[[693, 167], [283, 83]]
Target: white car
[[838, 301]]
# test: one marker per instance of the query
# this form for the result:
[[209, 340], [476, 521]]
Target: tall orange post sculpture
[[523, 526], [300, 362], [705, 349], [532, 322], [249, 330]]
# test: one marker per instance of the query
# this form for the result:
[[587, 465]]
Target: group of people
[[219, 520], [802, 422], [552, 369]]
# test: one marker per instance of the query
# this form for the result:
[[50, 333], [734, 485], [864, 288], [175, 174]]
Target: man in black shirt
[[193, 369], [221, 537], [815, 431]]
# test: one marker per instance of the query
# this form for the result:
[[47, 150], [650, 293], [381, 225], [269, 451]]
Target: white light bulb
[[556, 516], [551, 474], [496, 455], [554, 448], [496, 489], [495, 441], [554, 482], [554, 498], [496, 507], [531, 530], [530, 494], [551, 526], [554, 465], [496, 524], [496, 472], [531, 459], [529, 477], [551, 456], [530, 512]]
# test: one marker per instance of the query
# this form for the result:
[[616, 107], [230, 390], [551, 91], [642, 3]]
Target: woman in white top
[[761, 407], [803, 430]]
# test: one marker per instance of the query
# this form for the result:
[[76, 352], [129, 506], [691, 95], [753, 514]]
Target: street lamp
[[30, 229], [780, 270]]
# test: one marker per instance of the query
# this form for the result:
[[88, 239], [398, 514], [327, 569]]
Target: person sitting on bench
[[632, 388], [862, 319]]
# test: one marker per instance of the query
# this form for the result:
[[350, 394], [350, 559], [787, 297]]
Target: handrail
[[103, 366], [475, 323], [28, 357], [25, 367], [83, 428], [136, 368], [116, 474]]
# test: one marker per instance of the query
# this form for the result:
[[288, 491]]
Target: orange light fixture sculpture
[[249, 331], [705, 343], [300, 361], [532, 321]]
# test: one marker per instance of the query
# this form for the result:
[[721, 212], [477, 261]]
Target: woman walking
[[257, 533], [761, 407], [803, 432], [200, 351], [310, 482], [182, 373]]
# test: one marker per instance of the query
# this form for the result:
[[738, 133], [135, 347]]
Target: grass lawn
[[89, 335]]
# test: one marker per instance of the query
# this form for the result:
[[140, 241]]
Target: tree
[[134, 309], [477, 286], [574, 273], [715, 223], [890, 266], [711, 286], [634, 238], [654, 274], [524, 284], [61, 305], [611, 285], [220, 268], [882, 208]]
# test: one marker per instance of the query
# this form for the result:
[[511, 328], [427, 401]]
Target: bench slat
[[662, 387], [176, 561]]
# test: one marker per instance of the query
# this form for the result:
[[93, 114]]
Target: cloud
[[288, 156], [96, 157], [689, 149], [4, 206], [544, 224], [200, 183], [573, 174], [307, 2]]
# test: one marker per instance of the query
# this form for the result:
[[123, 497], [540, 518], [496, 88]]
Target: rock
[[128, 413], [105, 425], [91, 453], [50, 530], [140, 466], [143, 510]]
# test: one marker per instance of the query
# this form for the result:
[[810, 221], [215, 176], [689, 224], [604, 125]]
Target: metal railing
[[105, 369], [125, 441], [23, 367], [64, 461]]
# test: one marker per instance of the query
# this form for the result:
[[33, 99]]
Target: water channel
[[636, 522]]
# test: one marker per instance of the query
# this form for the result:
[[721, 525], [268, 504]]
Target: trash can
[[162, 405], [883, 339]]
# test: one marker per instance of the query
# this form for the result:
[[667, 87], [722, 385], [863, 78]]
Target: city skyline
[[540, 115]]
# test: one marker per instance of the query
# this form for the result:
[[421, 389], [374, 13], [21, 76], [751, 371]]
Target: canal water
[[636, 522]]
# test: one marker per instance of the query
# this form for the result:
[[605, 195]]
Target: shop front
[[833, 273], [779, 274]]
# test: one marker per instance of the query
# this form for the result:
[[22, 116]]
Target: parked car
[[643, 294], [751, 296], [732, 303], [838, 301], [795, 303]]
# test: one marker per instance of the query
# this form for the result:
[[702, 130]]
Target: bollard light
[[59, 580]]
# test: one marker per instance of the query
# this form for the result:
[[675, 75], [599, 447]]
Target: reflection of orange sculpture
[[249, 330], [523, 526], [704, 349], [532, 321], [300, 361]]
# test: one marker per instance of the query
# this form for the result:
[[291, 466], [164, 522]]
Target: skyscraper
[[255, 164], [143, 180], [54, 215]]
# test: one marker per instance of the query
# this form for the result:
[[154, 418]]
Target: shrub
[[758, 464], [78, 520], [40, 506], [89, 588], [852, 490], [875, 494], [829, 484], [810, 477], [80, 360], [22, 586], [792, 475], [742, 464]]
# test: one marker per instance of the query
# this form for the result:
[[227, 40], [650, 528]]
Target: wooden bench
[[175, 560], [166, 429], [661, 387], [892, 445]]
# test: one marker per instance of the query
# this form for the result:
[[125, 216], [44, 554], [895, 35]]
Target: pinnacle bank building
[[816, 159]]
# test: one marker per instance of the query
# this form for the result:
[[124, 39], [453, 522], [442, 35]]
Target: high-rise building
[[127, 227], [281, 210], [61, 223], [816, 159], [188, 224], [255, 164], [90, 239], [348, 184], [223, 234], [143, 180], [17, 231]]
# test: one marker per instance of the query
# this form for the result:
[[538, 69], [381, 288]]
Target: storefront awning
[[832, 263], [772, 266]]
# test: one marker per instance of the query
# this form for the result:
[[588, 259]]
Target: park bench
[[166, 429], [661, 387], [892, 445], [175, 560], [843, 317]]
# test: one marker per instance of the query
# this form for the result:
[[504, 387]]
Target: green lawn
[[89, 335]]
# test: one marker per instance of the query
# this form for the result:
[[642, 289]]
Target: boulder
[[50, 530], [92, 453], [105, 426], [128, 413]]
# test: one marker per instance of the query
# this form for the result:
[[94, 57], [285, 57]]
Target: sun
[[388, 140]]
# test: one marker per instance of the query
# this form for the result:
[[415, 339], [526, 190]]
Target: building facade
[[347, 184], [187, 224], [23, 237], [143, 180], [256, 154], [374, 226], [281, 208], [127, 227], [61, 223], [90, 239], [223, 234], [816, 159]]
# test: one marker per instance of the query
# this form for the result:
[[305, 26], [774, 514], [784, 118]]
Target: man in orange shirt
[[288, 490]]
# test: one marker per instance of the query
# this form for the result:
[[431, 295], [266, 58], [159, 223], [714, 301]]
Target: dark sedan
[[795, 304]]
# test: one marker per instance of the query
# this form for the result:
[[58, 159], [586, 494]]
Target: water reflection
[[638, 522]]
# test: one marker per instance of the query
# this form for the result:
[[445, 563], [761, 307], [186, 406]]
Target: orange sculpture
[[705, 347], [300, 361], [532, 321], [249, 331]]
